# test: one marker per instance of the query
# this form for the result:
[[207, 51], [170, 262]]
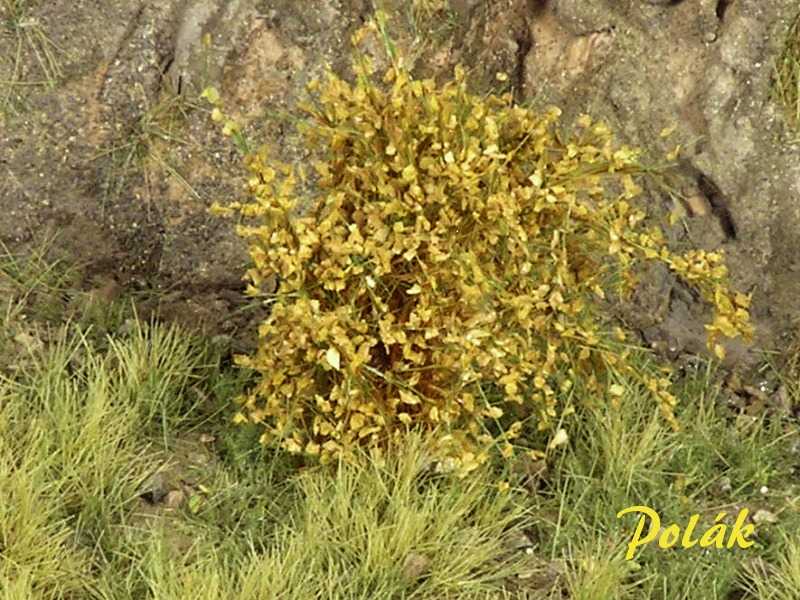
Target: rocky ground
[[106, 149]]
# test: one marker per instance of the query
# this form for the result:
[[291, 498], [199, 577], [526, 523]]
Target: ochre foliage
[[449, 271]]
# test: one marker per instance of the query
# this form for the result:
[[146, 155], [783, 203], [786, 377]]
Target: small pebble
[[174, 499], [764, 516]]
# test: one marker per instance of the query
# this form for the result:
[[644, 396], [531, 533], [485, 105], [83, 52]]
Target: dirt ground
[[105, 145]]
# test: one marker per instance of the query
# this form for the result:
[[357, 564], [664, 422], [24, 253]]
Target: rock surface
[[121, 162]]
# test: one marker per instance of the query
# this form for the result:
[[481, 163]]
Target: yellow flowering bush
[[447, 271]]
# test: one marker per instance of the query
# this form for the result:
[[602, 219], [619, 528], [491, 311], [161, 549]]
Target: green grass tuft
[[786, 86], [36, 60]]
